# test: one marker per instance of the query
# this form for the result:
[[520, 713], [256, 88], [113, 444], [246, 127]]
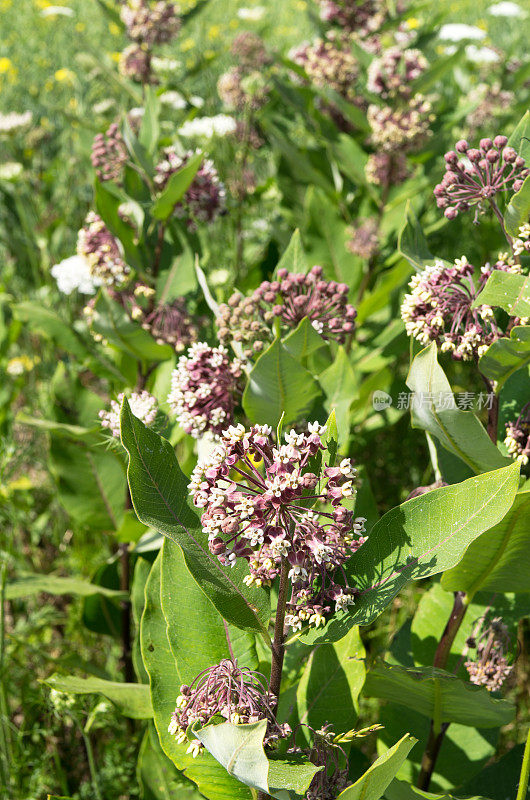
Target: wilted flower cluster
[[490, 666], [263, 502], [481, 174], [109, 154], [143, 405], [289, 299], [150, 23], [203, 389], [236, 694], [102, 251], [518, 436], [390, 75], [439, 309], [204, 199]]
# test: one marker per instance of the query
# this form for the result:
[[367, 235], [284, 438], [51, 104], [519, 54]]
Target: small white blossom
[[251, 14], [74, 273], [458, 31], [208, 127], [506, 9]]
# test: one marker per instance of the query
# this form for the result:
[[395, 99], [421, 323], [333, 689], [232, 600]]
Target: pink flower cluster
[[400, 129], [481, 174], [362, 18], [102, 251], [518, 436], [328, 64], [150, 24], [143, 405], [204, 199], [203, 390], [135, 64], [236, 694], [390, 75], [109, 154], [289, 299], [263, 502]]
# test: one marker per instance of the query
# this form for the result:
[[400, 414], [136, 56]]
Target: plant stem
[[493, 412], [125, 579], [437, 730], [525, 771]]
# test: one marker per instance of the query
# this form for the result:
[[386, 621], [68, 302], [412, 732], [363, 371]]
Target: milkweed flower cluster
[[474, 176], [143, 405], [237, 694], [521, 244], [262, 502], [150, 24], [204, 200], [518, 436], [390, 75], [109, 154], [333, 779], [386, 169], [203, 390], [439, 309], [288, 299], [490, 667], [359, 18], [328, 64], [400, 129], [364, 241], [245, 85], [102, 251], [135, 64]]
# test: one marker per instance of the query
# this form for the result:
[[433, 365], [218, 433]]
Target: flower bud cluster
[[203, 389], [263, 502], [400, 129], [288, 299], [236, 694], [150, 24], [109, 154], [475, 175], [518, 436], [490, 666], [204, 199], [143, 405], [439, 309], [390, 75], [102, 251]]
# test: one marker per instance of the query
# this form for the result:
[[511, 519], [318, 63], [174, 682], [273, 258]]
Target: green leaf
[[372, 785], [176, 188], [351, 158], [51, 325], [420, 538], [294, 259], [197, 634], [438, 695], [499, 781], [131, 698], [239, 748], [518, 209], [520, 138], [158, 777], [150, 127], [331, 683], [108, 199], [113, 323], [412, 243], [59, 428], [505, 356], [459, 431], [211, 778], [303, 341], [278, 384], [506, 290], [26, 585], [499, 560], [159, 491], [340, 385], [290, 773], [142, 568], [399, 790]]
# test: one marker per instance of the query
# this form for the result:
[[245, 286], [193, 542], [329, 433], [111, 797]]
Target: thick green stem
[[525, 771]]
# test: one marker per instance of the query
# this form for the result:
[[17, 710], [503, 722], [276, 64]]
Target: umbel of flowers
[[147, 25], [244, 86], [234, 694], [101, 249], [439, 308], [142, 404], [272, 503], [489, 667], [518, 436], [204, 199], [203, 389], [288, 299], [109, 154]]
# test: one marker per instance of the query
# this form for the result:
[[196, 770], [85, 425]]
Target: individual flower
[[288, 299], [475, 175], [490, 667], [263, 502], [20, 364], [506, 9], [73, 274], [102, 251], [364, 241], [150, 24], [203, 390], [143, 406], [135, 64], [109, 154], [391, 75], [521, 243], [208, 127], [518, 436], [459, 31], [439, 308], [13, 122], [235, 694], [386, 169], [204, 199], [57, 11], [400, 129]]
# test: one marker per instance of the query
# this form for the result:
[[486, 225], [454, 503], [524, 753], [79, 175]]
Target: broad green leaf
[[159, 491], [59, 428], [417, 539], [331, 683], [412, 243], [142, 568], [372, 785], [278, 384], [26, 585], [520, 137], [508, 291], [500, 780], [303, 341], [198, 636], [176, 188], [505, 356], [438, 695], [340, 386], [108, 199], [518, 209], [51, 325], [211, 778], [351, 158], [150, 127], [114, 324], [131, 698], [294, 259], [399, 790], [499, 560], [290, 773], [158, 777], [459, 431]]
